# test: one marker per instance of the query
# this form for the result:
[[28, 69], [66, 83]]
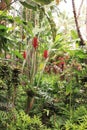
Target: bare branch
[[77, 25], [79, 10], [8, 5]]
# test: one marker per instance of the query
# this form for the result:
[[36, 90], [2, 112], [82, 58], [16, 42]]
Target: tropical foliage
[[43, 68]]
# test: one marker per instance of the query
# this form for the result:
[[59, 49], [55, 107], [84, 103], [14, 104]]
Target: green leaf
[[17, 53], [76, 90], [3, 28], [29, 6], [43, 2], [74, 34], [7, 2], [80, 54], [68, 89], [58, 37]]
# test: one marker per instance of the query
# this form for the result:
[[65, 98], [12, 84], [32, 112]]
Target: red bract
[[45, 54], [24, 54], [35, 42], [61, 63]]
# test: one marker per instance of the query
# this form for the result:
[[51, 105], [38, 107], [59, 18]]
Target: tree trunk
[[4, 5], [30, 100], [77, 25]]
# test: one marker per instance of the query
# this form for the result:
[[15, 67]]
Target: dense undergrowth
[[43, 71]]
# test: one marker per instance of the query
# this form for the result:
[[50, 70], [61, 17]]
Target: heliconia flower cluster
[[24, 54], [35, 42], [45, 54], [35, 45]]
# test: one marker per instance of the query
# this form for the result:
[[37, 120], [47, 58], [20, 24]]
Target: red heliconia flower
[[35, 42], [45, 54], [24, 54]]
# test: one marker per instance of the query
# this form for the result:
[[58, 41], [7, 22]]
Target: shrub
[[20, 121]]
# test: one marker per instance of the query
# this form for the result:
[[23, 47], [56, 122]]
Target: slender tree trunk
[[30, 100], [77, 25]]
